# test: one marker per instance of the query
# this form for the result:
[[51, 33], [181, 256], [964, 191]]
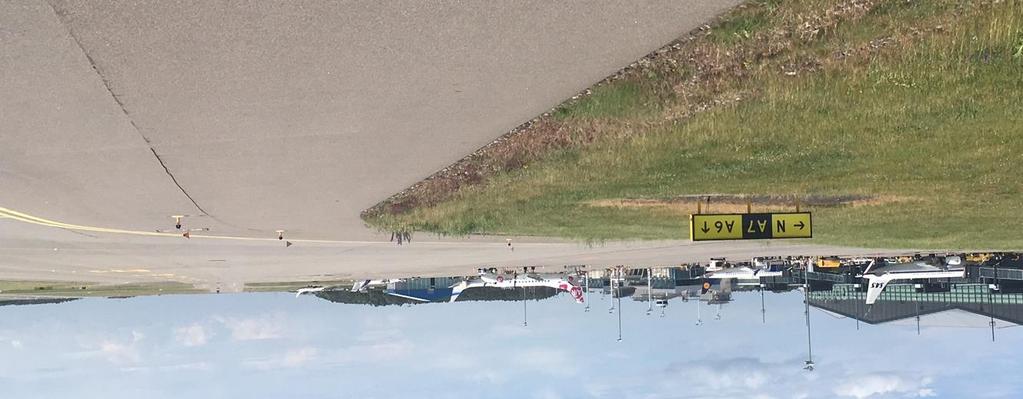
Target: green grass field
[[74, 289], [930, 120], [288, 286]]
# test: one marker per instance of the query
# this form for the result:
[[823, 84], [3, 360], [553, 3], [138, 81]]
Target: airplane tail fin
[[359, 285], [573, 288], [870, 266], [577, 293], [875, 285], [457, 290]]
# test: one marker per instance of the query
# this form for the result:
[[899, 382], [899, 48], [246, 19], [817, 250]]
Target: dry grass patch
[[724, 203]]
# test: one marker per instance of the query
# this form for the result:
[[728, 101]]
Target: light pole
[[763, 311], [859, 308], [918, 316], [619, 309], [524, 323], [809, 346], [649, 291], [699, 316], [990, 307], [586, 292], [611, 279]]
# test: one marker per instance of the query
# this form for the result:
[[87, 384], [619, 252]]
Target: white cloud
[[191, 366], [865, 386], [752, 377], [380, 335], [487, 376], [456, 361], [503, 331], [547, 394], [16, 344], [471, 366], [119, 353], [122, 352], [193, 335], [254, 328], [548, 360], [742, 376], [298, 357], [379, 352], [290, 359]]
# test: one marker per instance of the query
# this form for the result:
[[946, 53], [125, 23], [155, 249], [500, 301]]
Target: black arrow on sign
[[800, 225], [705, 229]]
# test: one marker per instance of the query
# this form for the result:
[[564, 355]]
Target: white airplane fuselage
[[879, 278], [558, 282], [742, 273]]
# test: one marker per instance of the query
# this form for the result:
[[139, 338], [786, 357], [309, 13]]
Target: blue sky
[[276, 345]]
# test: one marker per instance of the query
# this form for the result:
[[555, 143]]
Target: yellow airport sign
[[791, 225], [750, 226], [715, 227]]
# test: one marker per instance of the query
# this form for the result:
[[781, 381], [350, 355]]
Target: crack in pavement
[[175, 180], [62, 16]]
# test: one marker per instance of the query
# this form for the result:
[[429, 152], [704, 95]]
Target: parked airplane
[[561, 282], [717, 264], [742, 273], [362, 285], [878, 277], [308, 290]]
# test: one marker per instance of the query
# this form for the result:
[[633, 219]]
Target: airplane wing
[[457, 289]]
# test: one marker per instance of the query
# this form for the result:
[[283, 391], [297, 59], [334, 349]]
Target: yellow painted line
[[26, 218], [45, 222], [51, 223]]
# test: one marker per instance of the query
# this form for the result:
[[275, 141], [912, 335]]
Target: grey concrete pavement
[[66, 150], [282, 115]]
